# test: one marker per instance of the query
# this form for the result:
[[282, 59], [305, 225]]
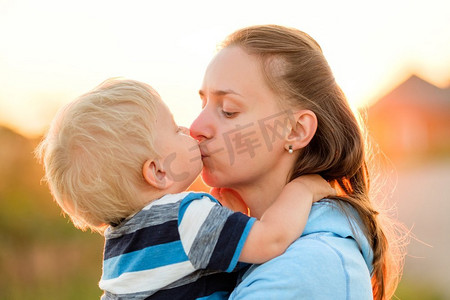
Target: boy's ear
[[303, 128], [155, 175]]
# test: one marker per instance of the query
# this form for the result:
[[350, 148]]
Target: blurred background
[[391, 58]]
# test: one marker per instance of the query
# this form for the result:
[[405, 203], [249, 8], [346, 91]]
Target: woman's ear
[[154, 175], [304, 126]]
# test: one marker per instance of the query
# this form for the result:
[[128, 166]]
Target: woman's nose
[[202, 127]]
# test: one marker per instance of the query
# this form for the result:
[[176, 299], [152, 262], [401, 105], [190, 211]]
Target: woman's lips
[[203, 152]]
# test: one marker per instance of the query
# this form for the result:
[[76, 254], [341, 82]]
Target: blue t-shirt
[[331, 260]]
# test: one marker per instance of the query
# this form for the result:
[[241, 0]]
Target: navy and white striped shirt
[[177, 247]]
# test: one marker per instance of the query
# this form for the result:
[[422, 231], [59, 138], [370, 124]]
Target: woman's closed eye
[[229, 114]]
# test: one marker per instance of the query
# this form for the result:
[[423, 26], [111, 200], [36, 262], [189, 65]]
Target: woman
[[272, 111]]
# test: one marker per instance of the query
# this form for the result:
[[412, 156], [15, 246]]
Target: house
[[413, 120]]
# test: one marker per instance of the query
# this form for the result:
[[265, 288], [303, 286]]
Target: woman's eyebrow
[[220, 92]]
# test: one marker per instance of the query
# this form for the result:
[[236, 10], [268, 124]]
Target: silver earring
[[290, 149]]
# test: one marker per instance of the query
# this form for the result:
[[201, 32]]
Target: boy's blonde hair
[[94, 151]]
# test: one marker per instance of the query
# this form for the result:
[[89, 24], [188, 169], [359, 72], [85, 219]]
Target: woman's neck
[[258, 199], [260, 194]]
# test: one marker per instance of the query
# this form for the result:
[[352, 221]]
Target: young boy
[[117, 163]]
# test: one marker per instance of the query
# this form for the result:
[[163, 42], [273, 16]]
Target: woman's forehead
[[233, 70]]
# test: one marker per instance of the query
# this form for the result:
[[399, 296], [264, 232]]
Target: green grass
[[68, 269], [42, 255], [413, 289]]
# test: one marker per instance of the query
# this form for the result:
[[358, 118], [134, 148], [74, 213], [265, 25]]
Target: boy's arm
[[284, 221]]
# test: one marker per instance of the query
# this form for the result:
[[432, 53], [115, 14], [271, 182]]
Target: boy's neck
[[151, 194]]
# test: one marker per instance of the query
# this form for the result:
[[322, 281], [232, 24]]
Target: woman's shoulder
[[319, 266], [309, 269], [325, 263], [323, 254], [338, 227]]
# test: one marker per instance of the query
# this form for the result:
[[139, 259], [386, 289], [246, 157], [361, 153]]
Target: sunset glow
[[53, 51]]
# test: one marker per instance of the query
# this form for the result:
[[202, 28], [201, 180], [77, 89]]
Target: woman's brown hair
[[296, 69]]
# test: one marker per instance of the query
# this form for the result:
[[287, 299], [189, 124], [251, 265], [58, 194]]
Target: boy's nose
[[185, 130]]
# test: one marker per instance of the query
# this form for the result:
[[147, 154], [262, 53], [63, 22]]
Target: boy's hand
[[230, 199], [318, 186]]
